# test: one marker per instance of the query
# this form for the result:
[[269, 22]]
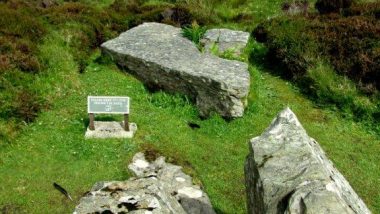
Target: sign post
[[107, 105], [126, 122], [92, 121]]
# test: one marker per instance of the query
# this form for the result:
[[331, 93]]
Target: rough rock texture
[[110, 129], [162, 58], [288, 172], [159, 187], [225, 39]]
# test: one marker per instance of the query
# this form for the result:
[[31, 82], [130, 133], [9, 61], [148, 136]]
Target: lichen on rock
[[288, 172], [158, 55], [158, 188]]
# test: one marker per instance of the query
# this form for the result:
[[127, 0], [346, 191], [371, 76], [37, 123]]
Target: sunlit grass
[[53, 148]]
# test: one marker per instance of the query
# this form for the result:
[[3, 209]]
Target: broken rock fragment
[[158, 188]]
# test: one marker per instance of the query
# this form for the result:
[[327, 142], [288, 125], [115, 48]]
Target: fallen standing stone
[[158, 188], [288, 172], [162, 58]]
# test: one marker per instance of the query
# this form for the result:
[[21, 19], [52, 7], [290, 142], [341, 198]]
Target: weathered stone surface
[[161, 57], [111, 129], [177, 183], [160, 187], [288, 172], [225, 40]]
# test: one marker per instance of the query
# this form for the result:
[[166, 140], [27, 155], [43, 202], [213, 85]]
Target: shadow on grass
[[86, 121], [219, 211]]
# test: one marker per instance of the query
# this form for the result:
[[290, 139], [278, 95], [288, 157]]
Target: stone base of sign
[[109, 129]]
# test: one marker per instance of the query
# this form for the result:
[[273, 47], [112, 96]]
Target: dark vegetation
[[25, 24], [49, 63], [332, 6], [343, 39], [333, 56]]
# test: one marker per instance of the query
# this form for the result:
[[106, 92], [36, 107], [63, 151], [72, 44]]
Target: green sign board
[[107, 105]]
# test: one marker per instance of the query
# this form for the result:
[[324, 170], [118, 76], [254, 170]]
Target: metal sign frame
[[92, 113], [107, 97]]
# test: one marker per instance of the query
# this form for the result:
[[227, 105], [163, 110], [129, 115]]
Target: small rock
[[139, 165], [224, 40]]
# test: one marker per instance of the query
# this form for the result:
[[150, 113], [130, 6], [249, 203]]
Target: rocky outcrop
[[222, 40], [288, 172], [162, 58], [158, 188]]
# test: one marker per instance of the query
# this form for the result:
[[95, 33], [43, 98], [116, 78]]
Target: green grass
[[320, 56], [53, 148], [194, 33], [328, 87], [93, 3]]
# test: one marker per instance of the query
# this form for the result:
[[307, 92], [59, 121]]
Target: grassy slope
[[53, 148]]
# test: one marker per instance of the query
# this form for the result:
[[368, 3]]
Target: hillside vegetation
[[333, 57], [50, 63]]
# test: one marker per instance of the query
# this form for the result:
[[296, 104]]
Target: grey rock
[[159, 187], [141, 195], [162, 58], [110, 129], [288, 172], [224, 40], [296, 8], [175, 181]]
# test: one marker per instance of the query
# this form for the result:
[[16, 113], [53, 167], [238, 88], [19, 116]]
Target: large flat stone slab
[[162, 58], [288, 172]]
